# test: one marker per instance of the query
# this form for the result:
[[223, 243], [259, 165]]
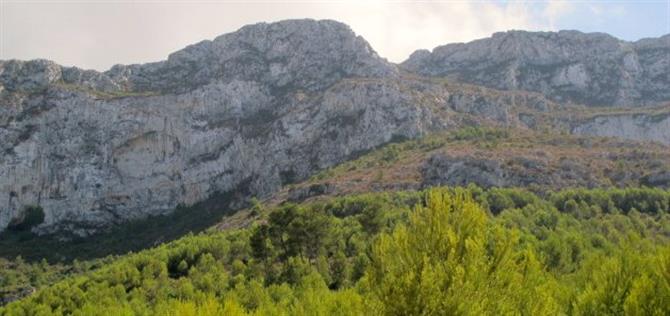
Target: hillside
[[542, 163], [573, 252], [494, 158]]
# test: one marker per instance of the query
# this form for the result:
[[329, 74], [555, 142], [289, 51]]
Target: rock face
[[641, 127], [591, 69]]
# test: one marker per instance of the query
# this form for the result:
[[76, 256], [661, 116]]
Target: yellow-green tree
[[451, 260]]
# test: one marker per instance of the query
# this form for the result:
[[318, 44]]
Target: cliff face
[[567, 66], [248, 112]]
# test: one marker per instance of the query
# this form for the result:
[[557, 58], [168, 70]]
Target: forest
[[440, 251]]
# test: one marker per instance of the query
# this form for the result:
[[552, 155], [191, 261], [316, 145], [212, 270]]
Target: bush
[[479, 133]]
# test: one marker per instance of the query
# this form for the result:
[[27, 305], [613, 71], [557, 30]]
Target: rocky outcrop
[[302, 193], [247, 111], [567, 66], [640, 127], [657, 179], [17, 294], [550, 163], [442, 169]]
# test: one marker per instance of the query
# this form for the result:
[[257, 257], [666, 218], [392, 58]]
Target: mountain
[[566, 66], [310, 170], [255, 110], [247, 112]]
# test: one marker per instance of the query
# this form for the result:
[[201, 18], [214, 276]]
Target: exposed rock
[[444, 170], [592, 69], [441, 169], [294, 54], [641, 127], [303, 193], [658, 179], [285, 56], [8, 297]]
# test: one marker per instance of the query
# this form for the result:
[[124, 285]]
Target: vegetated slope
[[491, 157], [465, 251], [566, 66]]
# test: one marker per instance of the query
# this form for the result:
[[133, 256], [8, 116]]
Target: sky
[[97, 34]]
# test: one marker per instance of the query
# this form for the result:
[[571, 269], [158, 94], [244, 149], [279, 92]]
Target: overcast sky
[[100, 33]]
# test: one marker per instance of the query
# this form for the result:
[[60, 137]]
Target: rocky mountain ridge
[[248, 112], [293, 54], [567, 66]]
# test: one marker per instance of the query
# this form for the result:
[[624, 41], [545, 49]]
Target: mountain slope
[[487, 157], [310, 170], [244, 114]]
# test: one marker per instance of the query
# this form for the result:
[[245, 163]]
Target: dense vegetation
[[441, 251]]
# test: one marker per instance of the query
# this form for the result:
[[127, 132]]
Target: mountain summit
[[299, 54]]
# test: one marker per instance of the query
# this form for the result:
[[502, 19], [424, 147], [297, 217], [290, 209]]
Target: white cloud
[[98, 35], [397, 30], [554, 10]]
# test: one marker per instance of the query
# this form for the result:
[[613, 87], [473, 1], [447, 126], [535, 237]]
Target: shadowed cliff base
[[132, 236]]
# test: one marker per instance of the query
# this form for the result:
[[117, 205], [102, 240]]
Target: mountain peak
[[306, 54]]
